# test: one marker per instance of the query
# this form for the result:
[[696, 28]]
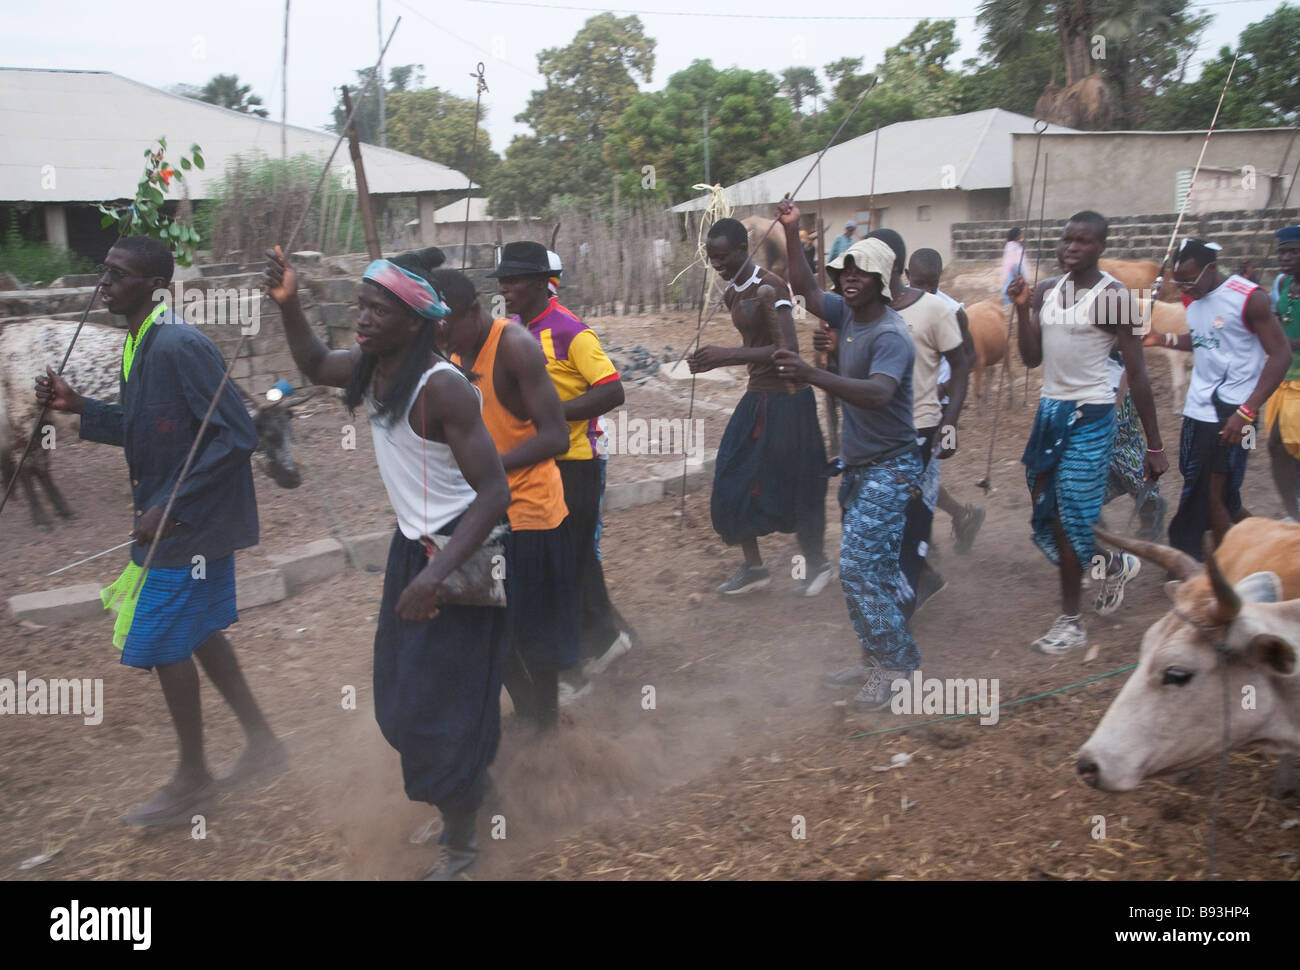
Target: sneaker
[[454, 866], [929, 584], [815, 583], [966, 530], [875, 694], [747, 579], [1066, 634], [568, 694], [598, 665], [1111, 594], [848, 677]]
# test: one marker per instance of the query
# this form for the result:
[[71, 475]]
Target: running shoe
[[876, 694], [1111, 594], [747, 579], [1066, 634], [928, 585], [598, 665], [965, 531], [815, 583]]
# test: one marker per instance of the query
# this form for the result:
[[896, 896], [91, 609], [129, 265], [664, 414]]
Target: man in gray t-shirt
[[883, 467], [865, 349]]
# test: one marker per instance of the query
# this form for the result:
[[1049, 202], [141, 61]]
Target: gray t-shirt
[[865, 349]]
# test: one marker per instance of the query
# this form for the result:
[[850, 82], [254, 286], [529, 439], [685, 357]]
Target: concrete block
[[313, 562], [338, 314], [65, 605], [334, 290], [631, 494], [259, 588], [371, 548]]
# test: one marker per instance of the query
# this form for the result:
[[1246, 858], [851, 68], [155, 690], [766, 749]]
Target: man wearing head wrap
[[882, 470], [1282, 413], [438, 666], [1239, 355], [1071, 324]]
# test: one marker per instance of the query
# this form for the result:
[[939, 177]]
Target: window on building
[[922, 213]]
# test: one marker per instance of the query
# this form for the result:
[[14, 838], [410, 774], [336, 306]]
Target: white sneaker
[[598, 665], [567, 695], [1111, 594], [1066, 634], [815, 583]]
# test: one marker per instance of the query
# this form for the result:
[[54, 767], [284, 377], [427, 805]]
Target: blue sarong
[[176, 612], [1071, 446]]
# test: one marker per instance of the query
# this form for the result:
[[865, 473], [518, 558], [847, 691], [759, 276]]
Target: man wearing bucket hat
[[589, 386], [882, 470]]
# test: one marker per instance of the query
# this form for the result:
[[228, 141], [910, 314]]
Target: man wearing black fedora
[[589, 386]]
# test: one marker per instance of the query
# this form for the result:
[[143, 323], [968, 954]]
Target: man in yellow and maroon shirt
[[589, 386]]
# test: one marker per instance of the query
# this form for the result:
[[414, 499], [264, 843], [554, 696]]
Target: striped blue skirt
[[176, 612], [1070, 446]]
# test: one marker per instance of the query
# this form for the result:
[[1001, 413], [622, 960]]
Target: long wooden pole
[[284, 87], [363, 191]]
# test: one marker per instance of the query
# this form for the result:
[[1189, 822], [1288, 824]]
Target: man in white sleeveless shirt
[[1239, 356], [1071, 324], [438, 666]]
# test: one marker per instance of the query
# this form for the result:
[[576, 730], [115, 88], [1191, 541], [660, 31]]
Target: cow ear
[[1278, 654], [1262, 587], [1171, 589]]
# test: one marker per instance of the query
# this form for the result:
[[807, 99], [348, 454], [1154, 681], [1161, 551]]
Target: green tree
[[226, 91], [1265, 88], [440, 127], [589, 84], [749, 128], [1013, 83], [800, 84], [402, 78]]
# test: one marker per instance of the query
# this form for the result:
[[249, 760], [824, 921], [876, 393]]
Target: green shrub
[[33, 262]]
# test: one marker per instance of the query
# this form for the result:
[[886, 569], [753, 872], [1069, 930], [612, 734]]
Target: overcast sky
[[163, 43]]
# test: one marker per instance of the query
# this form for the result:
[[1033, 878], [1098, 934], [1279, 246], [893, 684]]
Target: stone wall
[[1241, 233]]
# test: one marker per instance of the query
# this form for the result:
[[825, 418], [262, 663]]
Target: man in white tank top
[[1071, 324], [438, 666], [1239, 356]]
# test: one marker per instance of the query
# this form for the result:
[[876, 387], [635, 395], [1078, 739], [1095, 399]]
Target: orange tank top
[[536, 491]]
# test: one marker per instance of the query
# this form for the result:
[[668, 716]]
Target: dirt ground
[[710, 782]]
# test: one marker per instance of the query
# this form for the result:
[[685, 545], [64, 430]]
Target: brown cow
[[988, 331], [1139, 276], [1169, 714], [1168, 318]]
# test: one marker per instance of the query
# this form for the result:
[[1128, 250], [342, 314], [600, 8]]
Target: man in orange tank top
[[522, 412]]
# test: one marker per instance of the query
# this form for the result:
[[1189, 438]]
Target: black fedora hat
[[522, 259]]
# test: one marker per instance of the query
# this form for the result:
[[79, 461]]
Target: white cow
[[1169, 715]]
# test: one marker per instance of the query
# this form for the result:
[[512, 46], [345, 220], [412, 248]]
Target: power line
[[469, 43]]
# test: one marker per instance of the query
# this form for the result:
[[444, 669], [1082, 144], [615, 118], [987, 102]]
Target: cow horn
[[1176, 561], [1227, 602]]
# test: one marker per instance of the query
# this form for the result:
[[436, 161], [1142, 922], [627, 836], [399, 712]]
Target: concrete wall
[[1126, 173]]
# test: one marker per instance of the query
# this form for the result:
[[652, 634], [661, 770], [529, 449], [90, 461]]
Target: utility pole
[[284, 86], [383, 120], [707, 179]]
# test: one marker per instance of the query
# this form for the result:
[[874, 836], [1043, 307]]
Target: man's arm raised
[[802, 280], [318, 363]]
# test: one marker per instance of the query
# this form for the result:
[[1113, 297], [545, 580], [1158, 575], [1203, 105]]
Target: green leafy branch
[[144, 216]]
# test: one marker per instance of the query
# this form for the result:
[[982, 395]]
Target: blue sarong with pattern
[[177, 611], [1071, 446], [874, 499]]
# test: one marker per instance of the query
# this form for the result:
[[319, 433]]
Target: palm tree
[[226, 91]]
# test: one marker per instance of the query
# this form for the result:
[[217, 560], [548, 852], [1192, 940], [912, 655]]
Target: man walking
[[170, 373]]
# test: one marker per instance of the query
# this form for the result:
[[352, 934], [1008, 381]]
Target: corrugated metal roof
[[94, 127], [969, 151]]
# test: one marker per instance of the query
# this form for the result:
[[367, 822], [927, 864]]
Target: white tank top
[[425, 486], [1075, 350], [1225, 355]]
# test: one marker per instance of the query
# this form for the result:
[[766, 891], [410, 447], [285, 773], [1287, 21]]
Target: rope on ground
[[1022, 700]]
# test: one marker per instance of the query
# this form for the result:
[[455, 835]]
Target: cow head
[[1169, 715], [275, 435]]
